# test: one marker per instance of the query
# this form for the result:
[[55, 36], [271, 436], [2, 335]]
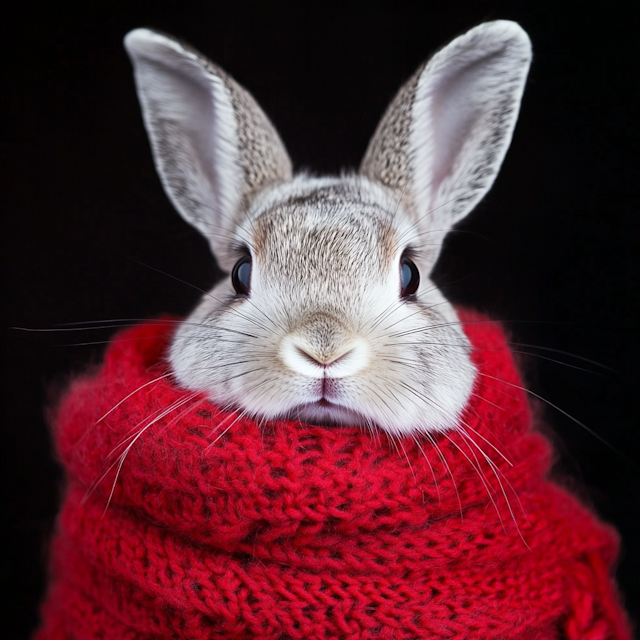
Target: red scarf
[[219, 528]]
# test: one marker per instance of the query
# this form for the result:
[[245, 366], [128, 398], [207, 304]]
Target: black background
[[552, 249]]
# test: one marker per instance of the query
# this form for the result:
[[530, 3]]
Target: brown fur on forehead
[[324, 229]]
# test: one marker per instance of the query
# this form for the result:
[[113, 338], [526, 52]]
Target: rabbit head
[[328, 314]]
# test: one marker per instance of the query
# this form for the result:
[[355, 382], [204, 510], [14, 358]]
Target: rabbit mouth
[[325, 413]]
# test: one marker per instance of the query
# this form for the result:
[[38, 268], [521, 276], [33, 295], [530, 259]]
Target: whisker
[[562, 411], [440, 454], [426, 457], [203, 291], [478, 470], [564, 353], [394, 306], [495, 470], [142, 386], [468, 426], [159, 416], [239, 417], [443, 458]]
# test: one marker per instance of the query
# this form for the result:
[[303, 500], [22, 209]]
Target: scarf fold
[[182, 521]]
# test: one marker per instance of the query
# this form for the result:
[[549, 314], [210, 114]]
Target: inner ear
[[454, 110], [463, 119]]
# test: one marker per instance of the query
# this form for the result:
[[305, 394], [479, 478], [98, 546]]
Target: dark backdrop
[[552, 249]]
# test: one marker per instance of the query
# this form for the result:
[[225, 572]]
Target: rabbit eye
[[409, 277], [241, 275]]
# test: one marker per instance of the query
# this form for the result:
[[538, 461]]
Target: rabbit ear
[[212, 144], [444, 136]]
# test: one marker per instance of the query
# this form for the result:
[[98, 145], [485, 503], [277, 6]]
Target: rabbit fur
[[322, 331]]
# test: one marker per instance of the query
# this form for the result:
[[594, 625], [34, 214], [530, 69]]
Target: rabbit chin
[[326, 413]]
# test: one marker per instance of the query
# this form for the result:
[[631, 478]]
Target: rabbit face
[[324, 333], [328, 314]]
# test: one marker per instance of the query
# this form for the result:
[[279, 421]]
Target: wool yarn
[[214, 526]]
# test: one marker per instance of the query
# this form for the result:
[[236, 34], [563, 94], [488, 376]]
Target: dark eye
[[241, 275], [409, 277]]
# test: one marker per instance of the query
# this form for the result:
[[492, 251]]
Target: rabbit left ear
[[442, 140], [212, 144]]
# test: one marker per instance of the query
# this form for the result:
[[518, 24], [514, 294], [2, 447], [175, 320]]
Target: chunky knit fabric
[[217, 527]]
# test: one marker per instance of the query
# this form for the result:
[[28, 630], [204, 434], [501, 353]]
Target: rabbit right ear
[[212, 144], [443, 138]]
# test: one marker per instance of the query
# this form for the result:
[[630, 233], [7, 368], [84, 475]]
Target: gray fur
[[387, 159], [213, 146], [324, 334]]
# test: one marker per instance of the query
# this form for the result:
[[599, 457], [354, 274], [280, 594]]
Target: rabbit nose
[[320, 359], [303, 357]]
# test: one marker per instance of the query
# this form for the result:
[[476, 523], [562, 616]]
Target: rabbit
[[327, 314]]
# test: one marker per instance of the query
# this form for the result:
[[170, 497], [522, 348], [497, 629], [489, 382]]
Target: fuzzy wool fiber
[[218, 527]]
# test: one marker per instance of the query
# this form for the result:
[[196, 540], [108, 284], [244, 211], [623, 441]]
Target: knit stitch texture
[[218, 527]]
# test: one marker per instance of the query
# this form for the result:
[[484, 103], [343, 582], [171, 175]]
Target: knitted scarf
[[214, 526]]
